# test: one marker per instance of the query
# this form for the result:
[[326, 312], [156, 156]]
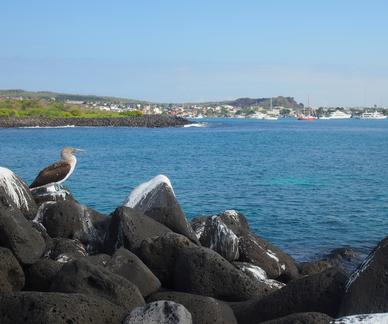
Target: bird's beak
[[76, 150]]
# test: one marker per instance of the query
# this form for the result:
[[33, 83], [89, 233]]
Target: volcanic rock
[[129, 266], [45, 194], [320, 292], [218, 237], [131, 121], [65, 250], [80, 276], [11, 273], [156, 199], [258, 274], [367, 288], [101, 259], [378, 318], [128, 229], [203, 309], [309, 268], [160, 253], [302, 318], [235, 221], [345, 258], [277, 264], [14, 190], [40, 275], [40, 308], [159, 312], [68, 219], [198, 225], [202, 271], [18, 234], [223, 231]]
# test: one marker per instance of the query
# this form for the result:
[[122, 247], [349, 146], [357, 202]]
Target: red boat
[[303, 117]]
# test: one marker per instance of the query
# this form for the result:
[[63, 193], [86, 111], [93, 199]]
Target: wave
[[196, 125], [64, 126]]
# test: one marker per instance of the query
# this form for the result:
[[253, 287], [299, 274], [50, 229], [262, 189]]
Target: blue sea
[[307, 187]]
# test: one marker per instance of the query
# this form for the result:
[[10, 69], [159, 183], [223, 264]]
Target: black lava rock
[[374, 318], [198, 225], [160, 253], [45, 308], [43, 195], [202, 271], [39, 276], [14, 190], [344, 258], [223, 231], [277, 264], [309, 268], [302, 318], [156, 199], [235, 221], [18, 234], [129, 266], [11, 273], [128, 229], [150, 121], [320, 292], [367, 288], [80, 276], [258, 274], [220, 238], [65, 250], [68, 219], [159, 312], [203, 309], [101, 259]]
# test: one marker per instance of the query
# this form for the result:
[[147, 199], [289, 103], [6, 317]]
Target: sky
[[334, 51]]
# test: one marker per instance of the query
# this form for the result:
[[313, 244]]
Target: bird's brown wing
[[53, 173]]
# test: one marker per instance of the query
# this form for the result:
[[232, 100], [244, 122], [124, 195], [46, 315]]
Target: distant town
[[262, 108], [230, 111]]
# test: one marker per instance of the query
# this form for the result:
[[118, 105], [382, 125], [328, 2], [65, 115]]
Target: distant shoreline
[[149, 121]]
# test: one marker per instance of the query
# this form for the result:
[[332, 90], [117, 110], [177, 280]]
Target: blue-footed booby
[[58, 172]]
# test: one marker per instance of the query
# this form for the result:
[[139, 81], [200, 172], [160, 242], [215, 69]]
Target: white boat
[[258, 115], [269, 117], [372, 115], [338, 114]]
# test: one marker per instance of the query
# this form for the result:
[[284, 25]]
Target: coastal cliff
[[133, 121], [63, 262]]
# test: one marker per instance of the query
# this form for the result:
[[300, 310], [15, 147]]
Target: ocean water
[[307, 187]]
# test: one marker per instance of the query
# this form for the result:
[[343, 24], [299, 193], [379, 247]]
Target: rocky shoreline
[[63, 262], [135, 121]]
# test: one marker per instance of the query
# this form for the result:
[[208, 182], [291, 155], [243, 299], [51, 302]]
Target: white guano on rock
[[377, 318], [13, 188], [141, 191]]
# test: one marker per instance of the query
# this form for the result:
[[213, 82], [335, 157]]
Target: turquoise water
[[305, 186]]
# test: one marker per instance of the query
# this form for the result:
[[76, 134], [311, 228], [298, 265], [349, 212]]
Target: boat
[[260, 115], [308, 113], [338, 114], [372, 115], [307, 117], [269, 117]]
